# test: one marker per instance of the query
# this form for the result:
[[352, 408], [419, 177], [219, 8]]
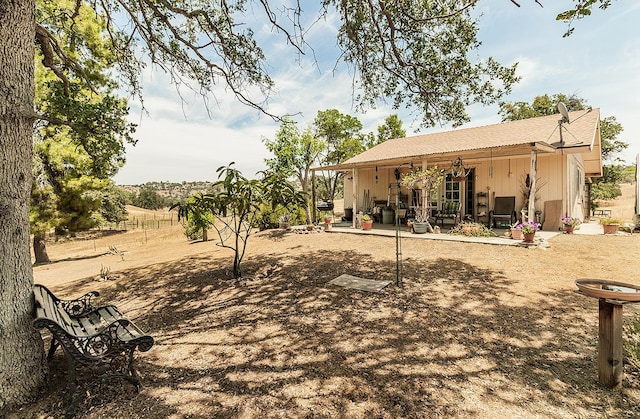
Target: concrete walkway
[[388, 230]]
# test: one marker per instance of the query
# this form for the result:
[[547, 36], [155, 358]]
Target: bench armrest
[[79, 306]]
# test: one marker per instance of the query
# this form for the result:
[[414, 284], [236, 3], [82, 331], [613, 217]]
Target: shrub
[[472, 230]]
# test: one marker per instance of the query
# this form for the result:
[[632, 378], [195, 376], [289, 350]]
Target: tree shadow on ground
[[454, 340]]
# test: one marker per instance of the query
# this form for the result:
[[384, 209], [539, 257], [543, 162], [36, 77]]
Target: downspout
[[313, 197], [531, 210], [354, 191]]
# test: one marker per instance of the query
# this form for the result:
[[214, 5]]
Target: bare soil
[[474, 330]]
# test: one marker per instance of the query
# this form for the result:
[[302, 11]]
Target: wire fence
[[144, 222]]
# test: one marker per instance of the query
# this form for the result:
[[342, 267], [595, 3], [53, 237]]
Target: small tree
[[427, 180], [237, 206], [198, 215]]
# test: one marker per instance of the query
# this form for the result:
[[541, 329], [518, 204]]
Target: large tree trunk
[[22, 359], [40, 249]]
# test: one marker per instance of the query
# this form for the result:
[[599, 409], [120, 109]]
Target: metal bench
[[91, 337], [602, 213]]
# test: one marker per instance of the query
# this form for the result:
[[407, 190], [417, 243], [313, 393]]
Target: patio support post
[[313, 198], [531, 210], [355, 197]]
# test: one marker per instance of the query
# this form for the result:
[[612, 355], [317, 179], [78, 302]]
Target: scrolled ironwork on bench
[[99, 337]]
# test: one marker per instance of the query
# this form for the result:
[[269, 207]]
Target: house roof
[[581, 134]]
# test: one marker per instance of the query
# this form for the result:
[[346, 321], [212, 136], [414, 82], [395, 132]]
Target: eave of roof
[[542, 133]]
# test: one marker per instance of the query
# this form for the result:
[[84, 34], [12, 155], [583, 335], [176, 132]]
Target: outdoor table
[[612, 296]]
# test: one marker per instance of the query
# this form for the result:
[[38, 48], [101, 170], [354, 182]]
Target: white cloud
[[181, 140]]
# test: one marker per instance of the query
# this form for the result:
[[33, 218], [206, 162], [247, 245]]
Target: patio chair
[[449, 209], [504, 211]]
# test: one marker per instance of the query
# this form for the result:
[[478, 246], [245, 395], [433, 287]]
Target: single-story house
[[555, 156]]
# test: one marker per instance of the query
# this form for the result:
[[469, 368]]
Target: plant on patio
[[570, 221], [610, 221], [427, 180], [472, 230], [528, 227]]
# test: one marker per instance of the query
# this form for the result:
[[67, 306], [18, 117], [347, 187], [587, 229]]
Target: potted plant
[[327, 221], [427, 180], [420, 225], [516, 232], [610, 225], [285, 221], [570, 223], [529, 229], [367, 222]]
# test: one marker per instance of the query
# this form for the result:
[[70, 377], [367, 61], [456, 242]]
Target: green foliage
[[581, 9], [294, 155], [80, 140], [149, 198], [237, 206], [268, 217], [610, 221], [341, 134], [472, 230], [417, 54], [196, 217], [113, 206], [392, 128], [427, 180], [541, 106]]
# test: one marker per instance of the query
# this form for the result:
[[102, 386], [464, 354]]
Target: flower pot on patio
[[516, 234], [387, 216], [420, 227], [569, 229], [367, 224], [528, 237], [610, 228]]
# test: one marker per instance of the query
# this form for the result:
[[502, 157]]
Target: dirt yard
[[475, 330]]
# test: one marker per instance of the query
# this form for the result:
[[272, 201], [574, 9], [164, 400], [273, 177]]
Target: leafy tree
[[341, 134], [294, 155], [416, 53], [114, 201], [392, 128], [74, 159], [149, 198], [606, 187], [198, 216], [237, 206]]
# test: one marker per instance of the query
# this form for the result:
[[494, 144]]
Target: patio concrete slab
[[362, 284]]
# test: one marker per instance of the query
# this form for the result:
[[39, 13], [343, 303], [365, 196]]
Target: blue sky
[[179, 140]]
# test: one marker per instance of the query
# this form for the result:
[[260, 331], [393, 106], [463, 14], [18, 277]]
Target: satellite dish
[[563, 111]]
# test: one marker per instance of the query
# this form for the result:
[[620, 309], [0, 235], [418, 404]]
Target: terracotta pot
[[516, 234], [610, 228], [367, 225], [569, 229], [528, 237]]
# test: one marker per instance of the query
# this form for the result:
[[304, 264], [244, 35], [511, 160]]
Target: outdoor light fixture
[[458, 171]]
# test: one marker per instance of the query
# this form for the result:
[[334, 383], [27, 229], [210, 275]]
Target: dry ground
[[474, 330]]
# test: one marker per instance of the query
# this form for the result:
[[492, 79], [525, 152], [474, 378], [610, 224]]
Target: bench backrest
[[450, 207], [47, 306], [505, 205]]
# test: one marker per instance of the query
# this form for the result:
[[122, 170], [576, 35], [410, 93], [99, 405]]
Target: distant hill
[[172, 190]]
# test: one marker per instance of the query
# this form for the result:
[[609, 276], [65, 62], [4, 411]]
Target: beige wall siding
[[559, 177]]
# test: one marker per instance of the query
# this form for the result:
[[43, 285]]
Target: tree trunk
[[205, 234], [22, 358], [40, 249]]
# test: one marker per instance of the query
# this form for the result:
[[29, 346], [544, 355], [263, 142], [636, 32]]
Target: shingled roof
[[542, 133]]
